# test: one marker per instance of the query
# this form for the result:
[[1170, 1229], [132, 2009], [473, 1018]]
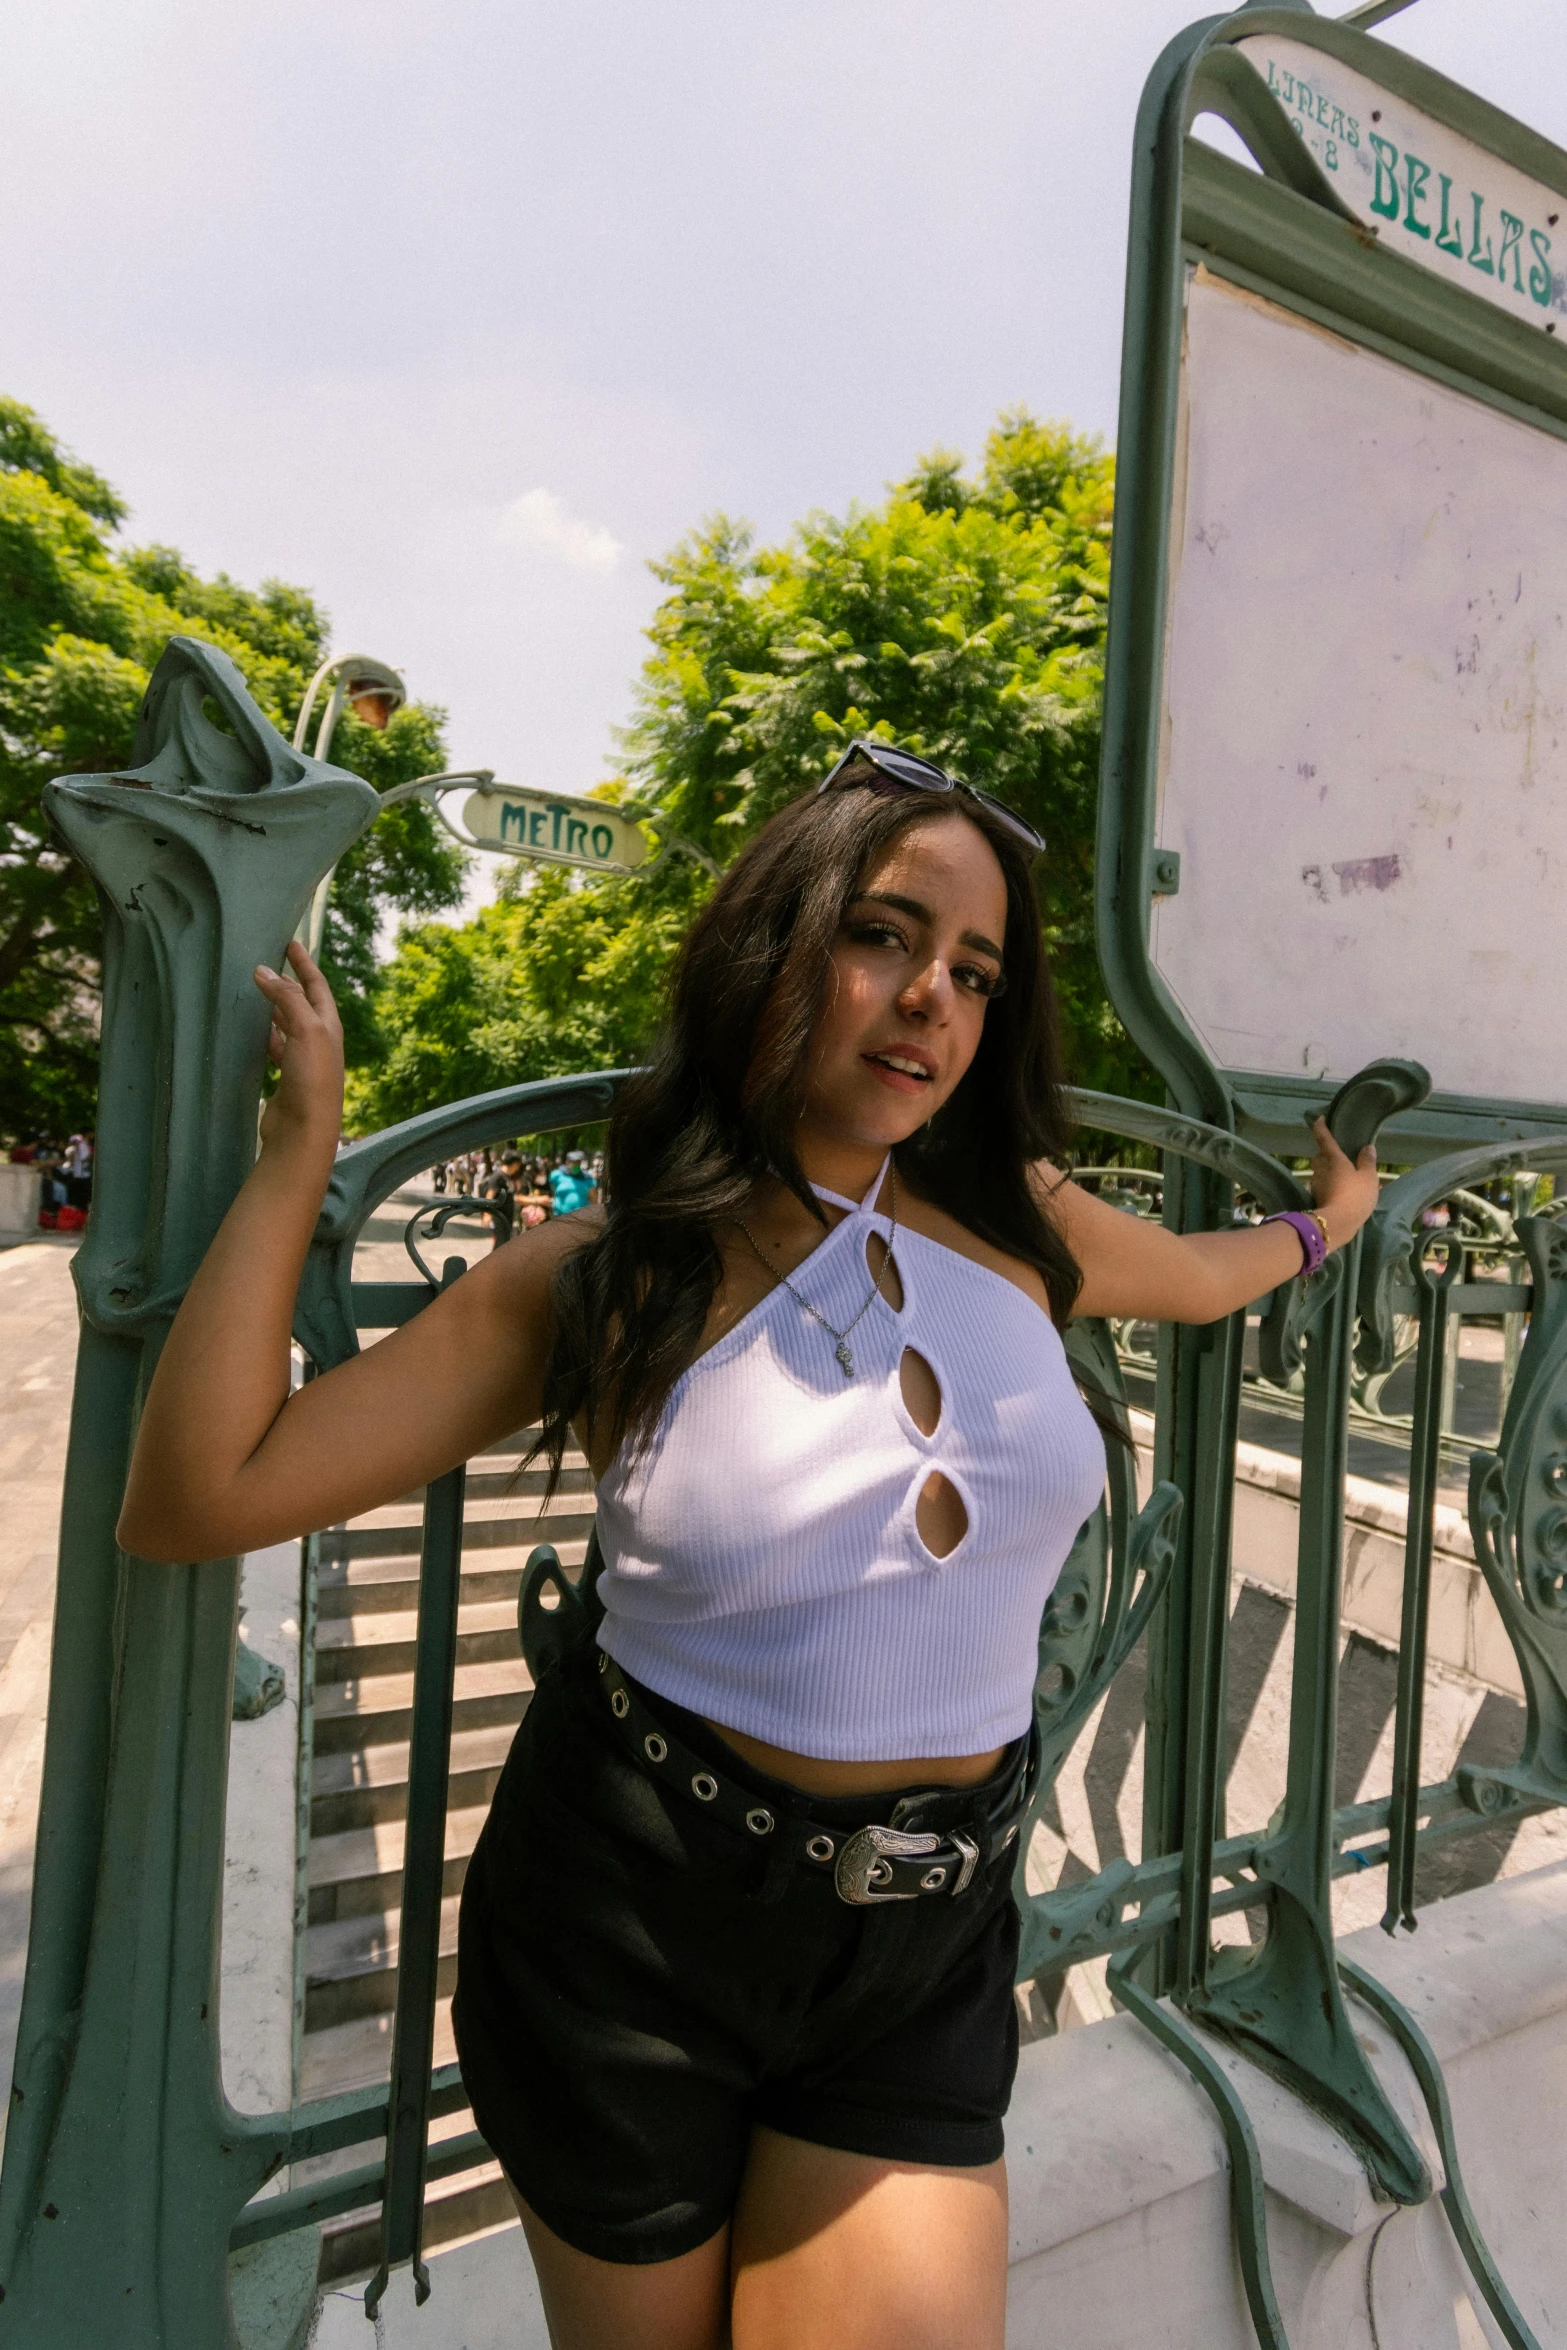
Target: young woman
[[735, 1985]]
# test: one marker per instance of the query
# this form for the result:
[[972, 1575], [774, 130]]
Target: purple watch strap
[[1314, 1249]]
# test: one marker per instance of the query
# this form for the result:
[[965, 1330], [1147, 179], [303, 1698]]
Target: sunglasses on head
[[864, 761]]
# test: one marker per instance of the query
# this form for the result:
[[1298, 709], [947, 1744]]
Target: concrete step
[[497, 1484], [354, 1790], [356, 2054], [351, 1965], [464, 2204], [576, 1478], [522, 1533], [358, 1873], [513, 1530], [382, 1585], [377, 1709], [491, 1492], [365, 1659], [362, 1647], [453, 2208], [508, 1474]]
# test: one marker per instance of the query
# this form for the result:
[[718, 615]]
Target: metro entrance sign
[[1432, 194], [555, 828], [1335, 784]]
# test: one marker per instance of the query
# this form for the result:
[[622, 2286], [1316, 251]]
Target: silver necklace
[[842, 1350]]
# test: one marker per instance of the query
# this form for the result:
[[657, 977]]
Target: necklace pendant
[[844, 1357]]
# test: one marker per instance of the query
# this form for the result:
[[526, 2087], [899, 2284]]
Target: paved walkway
[[37, 1362], [38, 1355]]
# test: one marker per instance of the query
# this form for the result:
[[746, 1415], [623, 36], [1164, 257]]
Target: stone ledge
[[20, 1190], [1384, 1508], [1119, 2178]]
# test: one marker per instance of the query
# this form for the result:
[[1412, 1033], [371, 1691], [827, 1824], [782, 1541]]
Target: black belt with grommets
[[869, 1864]]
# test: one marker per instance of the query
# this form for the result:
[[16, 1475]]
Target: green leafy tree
[[82, 622], [962, 618], [555, 976]]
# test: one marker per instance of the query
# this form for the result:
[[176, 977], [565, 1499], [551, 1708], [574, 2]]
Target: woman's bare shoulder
[[938, 1224]]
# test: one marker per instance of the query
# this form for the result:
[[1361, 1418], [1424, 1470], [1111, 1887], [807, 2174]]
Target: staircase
[[364, 1666]]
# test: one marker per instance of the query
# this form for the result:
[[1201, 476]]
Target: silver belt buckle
[[863, 1868]]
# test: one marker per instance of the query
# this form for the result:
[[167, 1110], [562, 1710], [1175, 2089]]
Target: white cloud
[[539, 519]]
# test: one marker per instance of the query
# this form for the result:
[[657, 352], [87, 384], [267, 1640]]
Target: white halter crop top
[[762, 1562]]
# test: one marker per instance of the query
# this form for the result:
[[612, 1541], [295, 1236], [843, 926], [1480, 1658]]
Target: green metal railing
[[1482, 1283], [128, 2178]]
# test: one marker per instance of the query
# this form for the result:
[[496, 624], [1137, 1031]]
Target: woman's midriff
[[813, 1776]]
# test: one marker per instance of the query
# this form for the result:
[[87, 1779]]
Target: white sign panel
[[556, 829], [1364, 765], [1427, 191]]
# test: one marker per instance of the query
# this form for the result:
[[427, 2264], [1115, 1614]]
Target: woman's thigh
[[680, 2304], [827, 2251], [835, 2251]]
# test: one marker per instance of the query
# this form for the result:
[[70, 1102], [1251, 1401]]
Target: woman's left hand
[[306, 1043], [1345, 1191]]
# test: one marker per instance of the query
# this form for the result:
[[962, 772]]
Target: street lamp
[[373, 692]]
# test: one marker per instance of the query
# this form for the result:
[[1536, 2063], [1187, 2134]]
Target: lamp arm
[[480, 777], [309, 702], [330, 716], [464, 839], [673, 845], [1372, 12]]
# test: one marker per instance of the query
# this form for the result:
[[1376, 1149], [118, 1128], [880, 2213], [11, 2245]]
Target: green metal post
[[1211, 1508], [1196, 1425], [304, 1773], [424, 1855], [124, 2164], [1282, 2003], [1425, 1465]]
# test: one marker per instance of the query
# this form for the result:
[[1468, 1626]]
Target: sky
[[461, 312]]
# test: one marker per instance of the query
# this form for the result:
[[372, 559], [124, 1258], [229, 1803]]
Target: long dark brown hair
[[719, 1108]]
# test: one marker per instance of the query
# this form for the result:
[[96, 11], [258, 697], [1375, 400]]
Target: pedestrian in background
[[572, 1186], [77, 1170]]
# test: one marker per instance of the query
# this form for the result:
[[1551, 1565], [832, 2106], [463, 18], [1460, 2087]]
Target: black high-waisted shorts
[[635, 1989]]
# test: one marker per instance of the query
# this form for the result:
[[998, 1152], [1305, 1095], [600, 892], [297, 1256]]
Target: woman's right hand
[[227, 1458], [306, 1044]]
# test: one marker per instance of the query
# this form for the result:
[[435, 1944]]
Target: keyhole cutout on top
[[921, 1391], [877, 1256], [940, 1519]]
